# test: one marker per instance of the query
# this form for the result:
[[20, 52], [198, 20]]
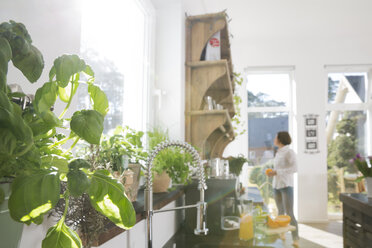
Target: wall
[[307, 35], [169, 67]]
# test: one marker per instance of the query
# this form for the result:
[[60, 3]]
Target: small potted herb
[[236, 164], [123, 154], [364, 165], [170, 164]]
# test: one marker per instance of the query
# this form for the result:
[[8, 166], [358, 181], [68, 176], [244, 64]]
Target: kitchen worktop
[[185, 239], [230, 239]]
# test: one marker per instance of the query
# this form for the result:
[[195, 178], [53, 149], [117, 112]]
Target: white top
[[285, 165]]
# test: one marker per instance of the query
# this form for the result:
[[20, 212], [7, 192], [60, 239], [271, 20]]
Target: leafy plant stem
[[72, 146], [66, 196], [69, 101], [61, 142]]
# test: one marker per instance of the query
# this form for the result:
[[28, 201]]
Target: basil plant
[[31, 140]]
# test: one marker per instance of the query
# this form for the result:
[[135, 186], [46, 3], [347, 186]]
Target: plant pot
[[11, 231], [161, 182], [133, 191], [368, 181]]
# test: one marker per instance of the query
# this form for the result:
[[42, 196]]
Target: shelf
[[217, 142], [210, 78], [205, 122], [200, 29]]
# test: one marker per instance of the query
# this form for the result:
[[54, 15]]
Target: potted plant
[[31, 139], [364, 166], [170, 164], [236, 164], [122, 154]]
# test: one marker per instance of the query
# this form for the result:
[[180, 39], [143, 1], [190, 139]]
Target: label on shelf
[[213, 48]]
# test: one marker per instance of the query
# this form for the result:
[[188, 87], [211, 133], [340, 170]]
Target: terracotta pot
[[133, 189], [160, 182]]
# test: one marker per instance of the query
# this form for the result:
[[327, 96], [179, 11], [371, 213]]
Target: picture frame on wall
[[311, 145], [311, 133], [311, 121]]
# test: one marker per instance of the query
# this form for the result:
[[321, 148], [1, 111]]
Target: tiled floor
[[328, 235]]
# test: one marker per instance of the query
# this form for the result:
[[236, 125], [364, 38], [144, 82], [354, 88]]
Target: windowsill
[[159, 201]]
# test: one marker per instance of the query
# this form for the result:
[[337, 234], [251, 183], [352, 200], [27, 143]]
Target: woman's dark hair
[[284, 138]]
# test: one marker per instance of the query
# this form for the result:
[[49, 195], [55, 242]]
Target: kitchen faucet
[[201, 206]]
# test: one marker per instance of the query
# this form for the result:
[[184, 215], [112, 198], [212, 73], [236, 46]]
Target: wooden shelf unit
[[210, 78], [209, 130]]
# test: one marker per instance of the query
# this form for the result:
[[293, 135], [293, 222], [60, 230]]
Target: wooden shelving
[[209, 130], [211, 78]]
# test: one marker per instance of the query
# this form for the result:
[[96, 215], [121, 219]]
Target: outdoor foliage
[[263, 182], [340, 151]]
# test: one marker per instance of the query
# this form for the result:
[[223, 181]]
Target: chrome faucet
[[201, 206]]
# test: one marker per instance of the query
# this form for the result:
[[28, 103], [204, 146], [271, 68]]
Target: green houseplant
[[172, 162], [120, 152], [236, 164], [30, 141], [364, 166]]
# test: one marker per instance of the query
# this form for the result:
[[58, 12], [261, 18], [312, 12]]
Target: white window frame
[[366, 106], [264, 70], [149, 66]]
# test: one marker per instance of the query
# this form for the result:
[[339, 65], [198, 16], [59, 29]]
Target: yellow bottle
[[246, 227]]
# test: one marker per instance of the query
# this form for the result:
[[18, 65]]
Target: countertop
[[358, 201], [230, 239], [184, 239]]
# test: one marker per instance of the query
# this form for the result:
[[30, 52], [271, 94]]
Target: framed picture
[[311, 133], [310, 121], [312, 145]]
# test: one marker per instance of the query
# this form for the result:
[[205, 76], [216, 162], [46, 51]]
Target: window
[[269, 111], [115, 41], [348, 117]]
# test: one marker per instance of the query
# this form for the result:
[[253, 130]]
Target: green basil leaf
[[50, 119], [88, 70], [78, 164], [5, 49], [107, 197], [45, 97], [77, 182], [16, 94], [30, 64], [66, 66], [8, 142], [63, 95], [52, 73], [4, 102], [61, 236], [55, 161], [5, 56], [99, 99], [2, 196], [33, 195], [15, 124], [88, 125]]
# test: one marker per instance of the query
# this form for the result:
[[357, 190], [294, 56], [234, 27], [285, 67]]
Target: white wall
[[169, 66], [307, 35]]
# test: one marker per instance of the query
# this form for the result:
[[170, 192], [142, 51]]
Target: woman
[[285, 165]]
